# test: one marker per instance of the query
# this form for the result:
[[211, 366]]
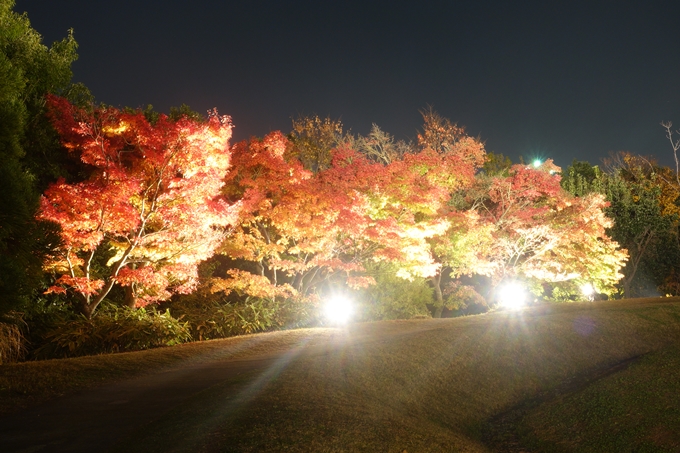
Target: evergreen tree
[[28, 70]]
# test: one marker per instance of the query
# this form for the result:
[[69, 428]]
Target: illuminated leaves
[[296, 214], [542, 232], [305, 229], [150, 202]]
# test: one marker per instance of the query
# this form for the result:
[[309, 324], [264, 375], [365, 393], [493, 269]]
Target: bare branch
[[675, 144]]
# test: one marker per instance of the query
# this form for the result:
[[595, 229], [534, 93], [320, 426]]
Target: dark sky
[[561, 79]]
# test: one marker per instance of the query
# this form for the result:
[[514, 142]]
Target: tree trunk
[[626, 288], [130, 299], [86, 309], [439, 297]]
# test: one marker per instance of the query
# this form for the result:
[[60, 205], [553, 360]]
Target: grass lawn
[[636, 410], [544, 373]]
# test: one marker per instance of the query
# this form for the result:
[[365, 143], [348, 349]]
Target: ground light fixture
[[588, 291], [512, 295], [338, 309]]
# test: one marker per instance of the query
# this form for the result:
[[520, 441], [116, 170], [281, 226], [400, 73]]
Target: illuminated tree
[[379, 146], [285, 237], [543, 233], [463, 250], [148, 213], [313, 139], [641, 198], [458, 156], [300, 230]]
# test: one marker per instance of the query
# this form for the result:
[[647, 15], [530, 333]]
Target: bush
[[213, 316], [112, 329], [460, 297], [393, 297], [41, 317]]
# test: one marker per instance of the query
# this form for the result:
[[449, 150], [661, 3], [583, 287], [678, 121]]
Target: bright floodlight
[[512, 296], [537, 163], [588, 291], [338, 310]]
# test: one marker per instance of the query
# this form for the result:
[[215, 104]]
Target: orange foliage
[[540, 231], [150, 205], [305, 229]]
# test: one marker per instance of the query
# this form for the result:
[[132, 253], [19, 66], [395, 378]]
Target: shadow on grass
[[629, 406]]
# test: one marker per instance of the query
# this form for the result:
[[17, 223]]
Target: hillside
[[429, 385]]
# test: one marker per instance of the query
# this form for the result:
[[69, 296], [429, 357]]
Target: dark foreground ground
[[475, 384], [101, 419]]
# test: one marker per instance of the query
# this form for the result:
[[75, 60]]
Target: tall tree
[[303, 229], [28, 70], [542, 233], [496, 164], [284, 242], [457, 158], [300, 230], [313, 140], [642, 204], [379, 146], [148, 213], [581, 178]]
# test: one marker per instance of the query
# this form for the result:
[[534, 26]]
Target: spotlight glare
[[338, 310], [588, 291], [537, 163], [512, 296]]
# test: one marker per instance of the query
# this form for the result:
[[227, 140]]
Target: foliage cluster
[[134, 201], [211, 316], [113, 329], [28, 148], [460, 296], [393, 297], [150, 203], [642, 199], [163, 196], [53, 330]]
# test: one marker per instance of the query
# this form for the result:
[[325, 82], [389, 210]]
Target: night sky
[[566, 80]]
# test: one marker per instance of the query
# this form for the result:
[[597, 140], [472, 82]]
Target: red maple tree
[[295, 228], [539, 231], [148, 212], [300, 230]]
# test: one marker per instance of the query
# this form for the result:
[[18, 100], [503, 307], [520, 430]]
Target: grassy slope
[[429, 391], [425, 391], [636, 410], [29, 383]]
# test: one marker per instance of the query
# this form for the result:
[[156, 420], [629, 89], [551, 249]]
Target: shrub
[[41, 317], [213, 316], [112, 329], [460, 296], [393, 297]]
